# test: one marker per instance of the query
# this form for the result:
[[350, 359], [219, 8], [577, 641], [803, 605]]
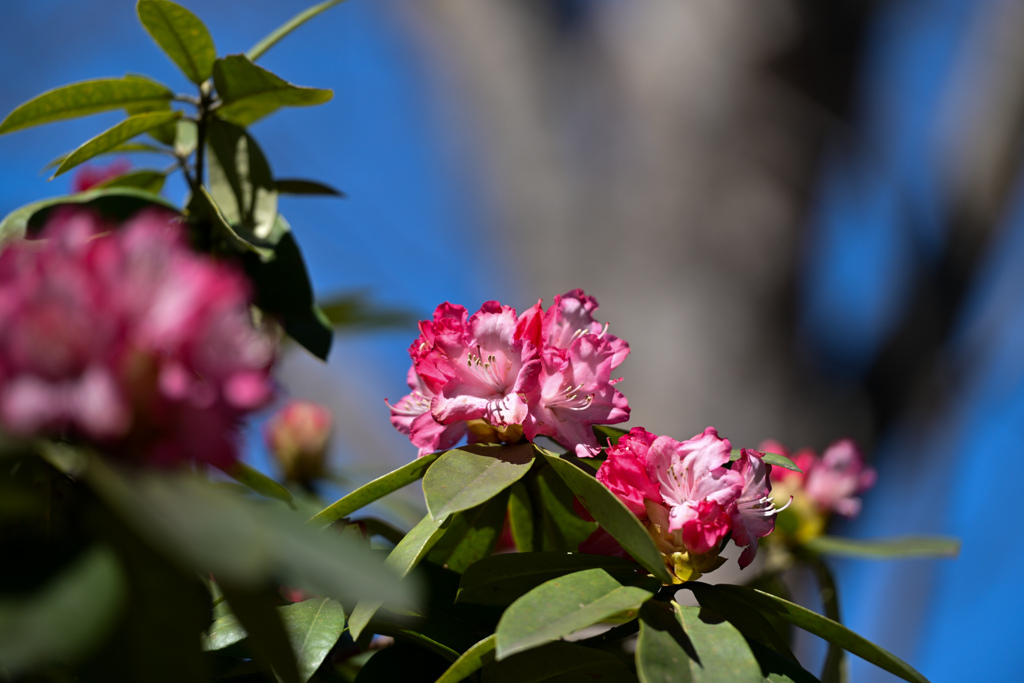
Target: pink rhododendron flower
[[128, 338], [298, 435], [91, 175], [499, 376], [689, 497], [831, 482]]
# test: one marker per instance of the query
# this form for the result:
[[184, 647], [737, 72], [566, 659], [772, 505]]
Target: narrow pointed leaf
[[460, 479], [356, 311], [126, 148], [471, 660], [272, 38], [313, 627], [613, 515], [885, 548], [771, 459], [181, 35], [249, 92], [562, 606], [305, 187], [376, 489], [259, 482], [84, 98], [403, 558], [827, 629], [112, 137], [147, 179]]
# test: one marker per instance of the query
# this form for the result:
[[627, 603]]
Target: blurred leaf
[[257, 613], [460, 479], [403, 558], [471, 660], [501, 579], [471, 535], [119, 202], [771, 459], [885, 548], [241, 183], [259, 482], [148, 180], [378, 527], [181, 35], [354, 311], [559, 663], [225, 631], [313, 626], [613, 515], [126, 148], [186, 137], [822, 627], [562, 606], [376, 489], [112, 137], [66, 618], [240, 541], [84, 98], [751, 623], [305, 187], [271, 39], [249, 92], [834, 670]]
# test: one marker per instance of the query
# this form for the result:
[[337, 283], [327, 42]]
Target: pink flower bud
[[298, 436]]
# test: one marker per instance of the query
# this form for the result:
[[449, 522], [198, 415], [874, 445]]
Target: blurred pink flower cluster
[[689, 497], [831, 482], [500, 376], [298, 436], [124, 336]]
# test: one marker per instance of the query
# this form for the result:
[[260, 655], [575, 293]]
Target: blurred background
[[805, 217]]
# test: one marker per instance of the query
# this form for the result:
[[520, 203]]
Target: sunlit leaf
[[181, 35], [84, 98], [471, 660], [112, 137], [460, 479], [771, 459], [249, 92], [185, 137], [225, 632], [313, 627], [271, 39]]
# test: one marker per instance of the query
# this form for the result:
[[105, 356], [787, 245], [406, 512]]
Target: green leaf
[[126, 148], [403, 558], [355, 311], [559, 663], [201, 207], [305, 187], [112, 137], [249, 92], [471, 535], [885, 548], [473, 659], [259, 482], [751, 623], [613, 515], [520, 517], [64, 619], [84, 98], [258, 615], [186, 137], [271, 39], [376, 489], [771, 459], [562, 606], [225, 632], [241, 182], [501, 579], [146, 179], [822, 627], [460, 479], [557, 524], [118, 202], [313, 627], [181, 35]]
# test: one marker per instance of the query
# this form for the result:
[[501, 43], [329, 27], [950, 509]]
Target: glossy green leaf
[[827, 629], [559, 663], [84, 98], [613, 515], [259, 482], [271, 39], [146, 179], [403, 558], [751, 623], [885, 548], [376, 489], [562, 606], [181, 35], [118, 202], [65, 618], [472, 535], [257, 614], [501, 579], [305, 187], [249, 92], [225, 632], [355, 311], [771, 459], [472, 660], [460, 479], [241, 182], [112, 137], [313, 627]]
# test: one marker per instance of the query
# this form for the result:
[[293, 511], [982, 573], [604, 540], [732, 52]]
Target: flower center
[[489, 370], [569, 398]]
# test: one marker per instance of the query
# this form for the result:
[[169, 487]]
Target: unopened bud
[[298, 436]]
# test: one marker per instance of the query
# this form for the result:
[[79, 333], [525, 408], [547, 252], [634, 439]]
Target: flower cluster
[[689, 498], [827, 484], [124, 336], [498, 376]]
